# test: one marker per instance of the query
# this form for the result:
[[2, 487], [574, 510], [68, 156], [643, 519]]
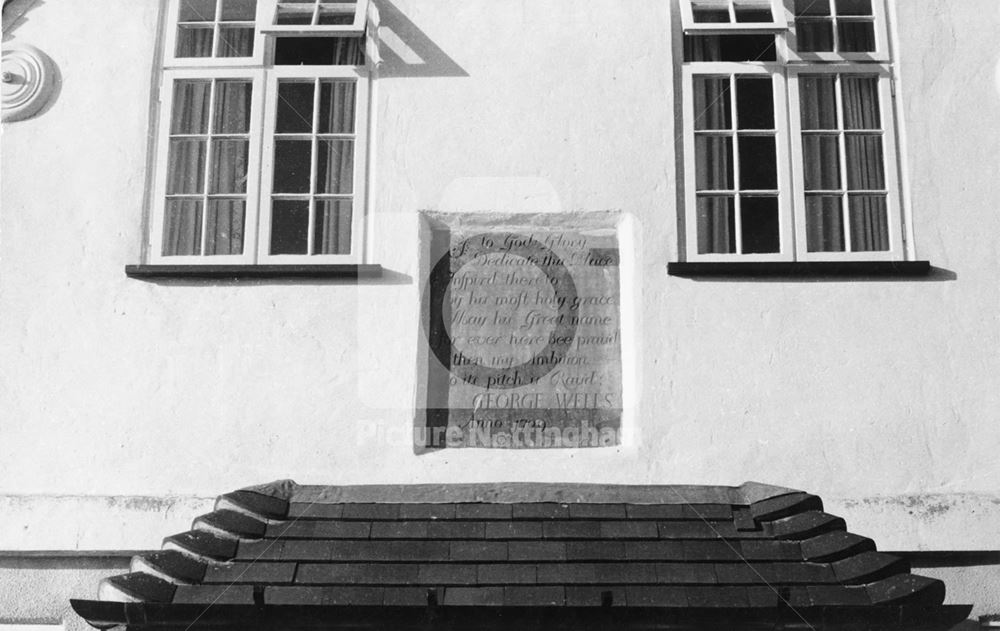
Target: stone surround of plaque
[[521, 344]]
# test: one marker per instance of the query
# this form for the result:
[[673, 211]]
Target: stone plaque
[[523, 325]]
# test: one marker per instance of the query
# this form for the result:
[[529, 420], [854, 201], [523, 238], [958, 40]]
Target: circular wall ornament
[[28, 81]]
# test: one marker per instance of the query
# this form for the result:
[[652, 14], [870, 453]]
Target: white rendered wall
[[880, 396]]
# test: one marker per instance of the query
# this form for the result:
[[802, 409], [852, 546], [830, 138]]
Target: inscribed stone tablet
[[524, 333]]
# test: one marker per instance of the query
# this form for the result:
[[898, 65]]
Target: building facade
[[799, 198]]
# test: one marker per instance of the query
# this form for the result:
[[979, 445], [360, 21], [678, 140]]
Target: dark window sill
[[231, 272], [807, 269]]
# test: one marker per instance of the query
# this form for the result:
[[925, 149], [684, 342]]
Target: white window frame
[[263, 76], [775, 72], [360, 77], [881, 54], [896, 251], [170, 77], [786, 70], [778, 23], [269, 24], [171, 60]]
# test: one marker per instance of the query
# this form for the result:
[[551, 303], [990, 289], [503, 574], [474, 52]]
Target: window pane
[[232, 107], [239, 10], [708, 15], [335, 167], [292, 165], [194, 41], [818, 102], [190, 113], [869, 223], [812, 7], [856, 37], [865, 170], [235, 41], [197, 11], [225, 226], [758, 163], [302, 51], [293, 15], [824, 223], [821, 162], [861, 102], [295, 107], [753, 14], [814, 36], [729, 48], [336, 107], [712, 109], [716, 225], [229, 166], [338, 18], [186, 167], [713, 163], [854, 7], [319, 51], [760, 225], [333, 226], [182, 227], [290, 226], [754, 103]]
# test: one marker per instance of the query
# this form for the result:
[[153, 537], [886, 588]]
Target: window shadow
[[407, 52], [14, 15]]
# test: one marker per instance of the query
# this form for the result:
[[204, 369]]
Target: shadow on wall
[[407, 52], [14, 12]]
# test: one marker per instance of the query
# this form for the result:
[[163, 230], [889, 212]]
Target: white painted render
[[881, 396]]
